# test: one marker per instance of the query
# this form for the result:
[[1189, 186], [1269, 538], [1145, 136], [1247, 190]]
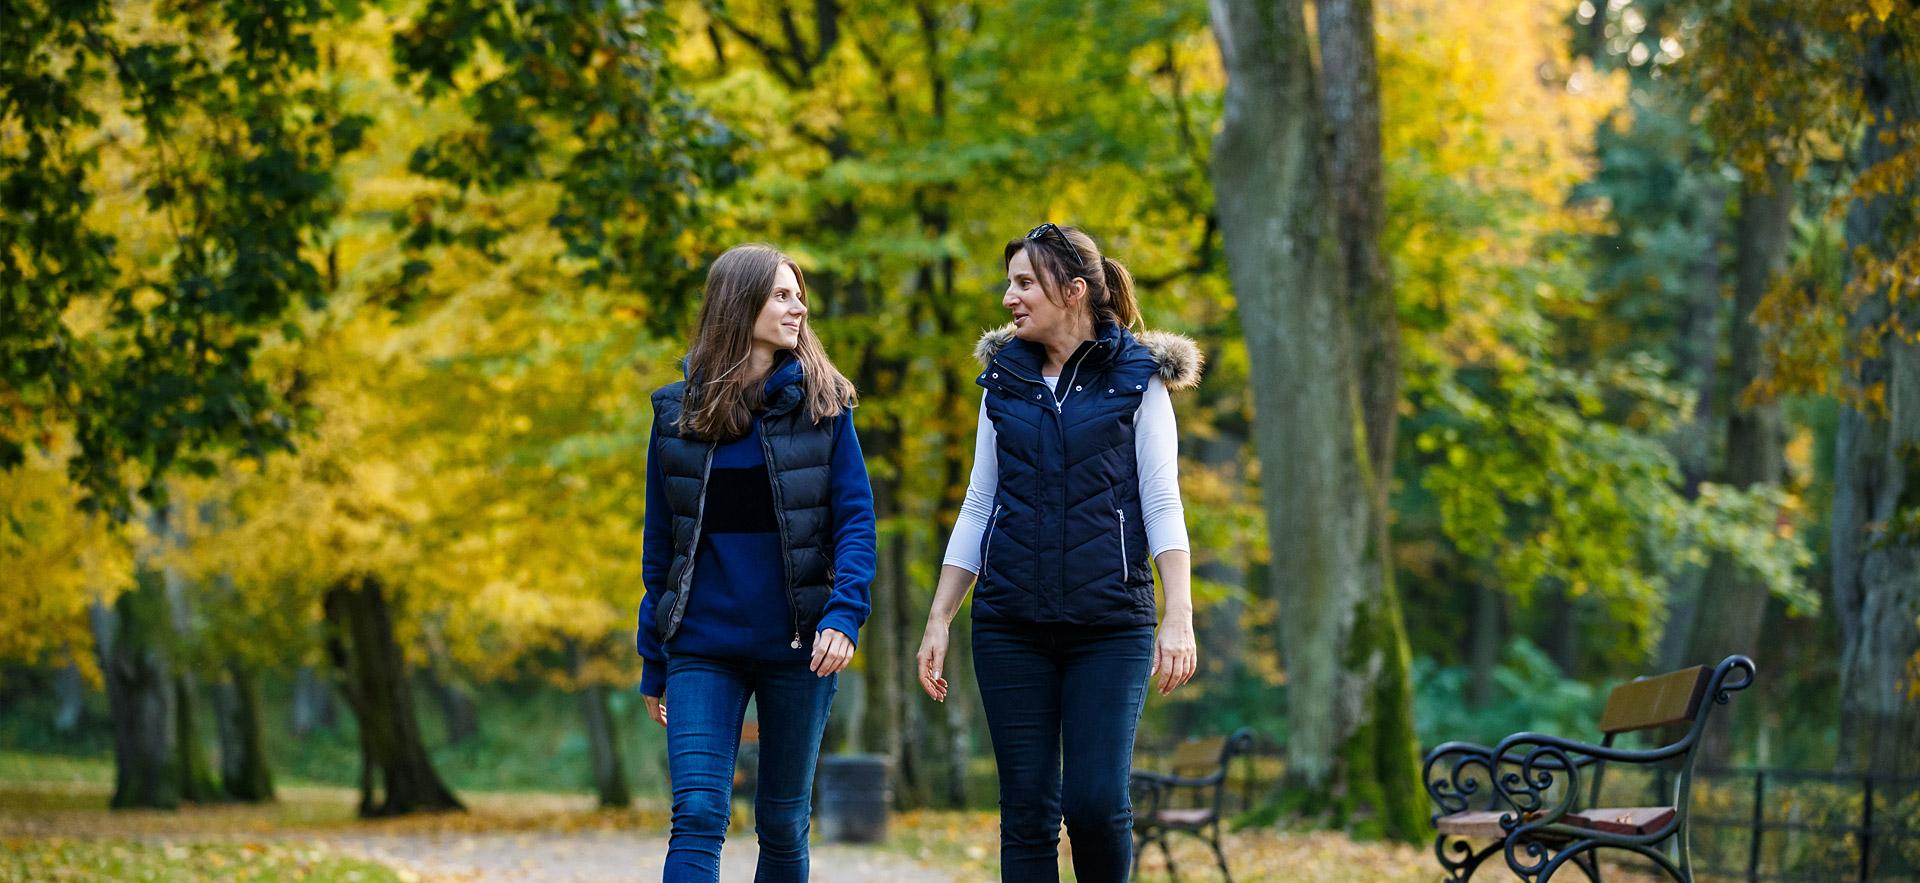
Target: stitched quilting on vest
[[798, 457], [1067, 539]]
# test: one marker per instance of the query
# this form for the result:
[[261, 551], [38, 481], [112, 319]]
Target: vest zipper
[[779, 506], [693, 549], [1126, 565], [1078, 358], [987, 550]]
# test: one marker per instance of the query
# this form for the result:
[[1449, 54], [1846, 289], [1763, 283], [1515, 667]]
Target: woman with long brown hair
[[757, 556]]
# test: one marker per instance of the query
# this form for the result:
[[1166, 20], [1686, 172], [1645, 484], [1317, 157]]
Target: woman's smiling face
[[778, 324]]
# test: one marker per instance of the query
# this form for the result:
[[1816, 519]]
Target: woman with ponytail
[[1074, 496], [757, 553]]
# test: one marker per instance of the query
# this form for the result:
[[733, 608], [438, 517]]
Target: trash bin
[[853, 798]]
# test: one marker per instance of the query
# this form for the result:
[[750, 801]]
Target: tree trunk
[[132, 640], [1349, 684], [373, 680], [1699, 350], [1562, 638], [312, 702], [1876, 549], [244, 772], [603, 738], [884, 724], [959, 709], [1486, 640], [1733, 600], [1350, 88], [70, 695], [197, 781]]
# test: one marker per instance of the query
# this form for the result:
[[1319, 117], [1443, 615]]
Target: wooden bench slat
[[1657, 701], [1631, 820], [1198, 754], [1480, 824]]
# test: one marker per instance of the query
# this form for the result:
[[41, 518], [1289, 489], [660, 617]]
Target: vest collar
[[1025, 359]]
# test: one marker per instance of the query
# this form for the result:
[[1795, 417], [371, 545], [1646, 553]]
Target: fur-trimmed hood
[[1179, 358]]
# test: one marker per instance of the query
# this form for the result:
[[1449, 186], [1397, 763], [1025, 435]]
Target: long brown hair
[[721, 397], [1059, 258]]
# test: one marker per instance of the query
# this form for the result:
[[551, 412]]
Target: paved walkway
[[594, 856]]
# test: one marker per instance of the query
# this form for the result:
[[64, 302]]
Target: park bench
[[1187, 799], [1523, 794]]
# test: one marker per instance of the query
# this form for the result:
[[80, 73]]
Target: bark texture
[[1350, 716], [132, 640], [244, 772], [1733, 600], [1876, 506], [396, 776]]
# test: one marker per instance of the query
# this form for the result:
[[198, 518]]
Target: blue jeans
[[706, 702], [1081, 686]]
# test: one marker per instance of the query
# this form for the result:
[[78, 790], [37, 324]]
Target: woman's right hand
[[933, 656], [656, 709]]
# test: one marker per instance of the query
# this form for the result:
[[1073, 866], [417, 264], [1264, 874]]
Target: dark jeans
[[706, 702], [1048, 686]]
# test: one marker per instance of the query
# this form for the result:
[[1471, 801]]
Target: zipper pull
[[796, 641]]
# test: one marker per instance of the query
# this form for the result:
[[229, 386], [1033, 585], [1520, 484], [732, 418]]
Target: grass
[[59, 859], [531, 739]]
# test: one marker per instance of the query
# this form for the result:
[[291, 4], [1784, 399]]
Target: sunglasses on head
[[1046, 228]]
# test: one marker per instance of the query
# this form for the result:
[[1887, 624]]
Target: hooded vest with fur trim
[[1067, 542]]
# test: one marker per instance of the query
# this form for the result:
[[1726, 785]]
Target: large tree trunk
[[603, 738], [1350, 86], [244, 773], [1349, 685], [1876, 554], [373, 679], [1733, 600], [132, 640]]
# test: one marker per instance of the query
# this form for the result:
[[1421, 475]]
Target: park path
[[596, 856]]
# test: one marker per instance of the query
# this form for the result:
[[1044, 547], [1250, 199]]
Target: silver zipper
[[1126, 569], [987, 549], [1060, 400]]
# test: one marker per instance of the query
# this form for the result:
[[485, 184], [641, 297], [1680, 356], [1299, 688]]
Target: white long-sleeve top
[[1156, 448]]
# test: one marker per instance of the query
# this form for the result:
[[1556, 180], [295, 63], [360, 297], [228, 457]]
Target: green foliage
[[1530, 693], [139, 330], [576, 94]]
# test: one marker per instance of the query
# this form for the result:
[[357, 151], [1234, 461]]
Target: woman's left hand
[[831, 652], [1175, 656]]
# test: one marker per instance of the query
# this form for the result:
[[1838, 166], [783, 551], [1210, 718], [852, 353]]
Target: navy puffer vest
[[1067, 542], [799, 457]]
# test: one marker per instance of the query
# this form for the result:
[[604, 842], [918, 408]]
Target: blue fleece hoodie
[[739, 605]]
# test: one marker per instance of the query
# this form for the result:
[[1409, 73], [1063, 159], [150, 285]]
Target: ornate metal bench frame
[[1542, 831]]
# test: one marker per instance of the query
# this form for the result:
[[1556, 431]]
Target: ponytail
[[1119, 305]]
